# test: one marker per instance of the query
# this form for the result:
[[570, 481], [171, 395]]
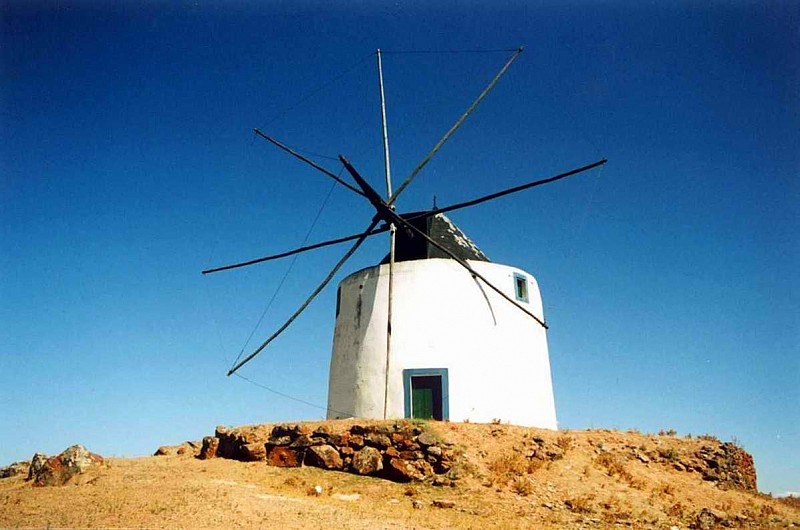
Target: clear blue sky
[[128, 164]]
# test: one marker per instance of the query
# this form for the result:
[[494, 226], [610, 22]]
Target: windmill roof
[[442, 230]]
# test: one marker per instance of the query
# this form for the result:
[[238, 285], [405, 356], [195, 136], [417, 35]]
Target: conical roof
[[442, 230]]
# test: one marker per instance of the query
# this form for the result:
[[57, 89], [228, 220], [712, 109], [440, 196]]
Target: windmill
[[422, 348]]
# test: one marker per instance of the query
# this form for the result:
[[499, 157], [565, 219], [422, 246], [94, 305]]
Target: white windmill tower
[[436, 330]]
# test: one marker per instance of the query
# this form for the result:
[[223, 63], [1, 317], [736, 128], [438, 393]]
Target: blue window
[[521, 287]]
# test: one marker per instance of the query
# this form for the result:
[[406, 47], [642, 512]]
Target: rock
[[254, 452], [324, 456], [209, 448], [434, 450], [305, 440], [37, 463], [279, 440], [441, 503], [642, 458], [233, 442], [339, 439], [441, 481], [280, 456], [425, 439], [378, 440], [366, 461], [164, 450], [284, 435], [57, 470], [707, 519], [405, 471], [356, 440], [12, 470], [416, 504]]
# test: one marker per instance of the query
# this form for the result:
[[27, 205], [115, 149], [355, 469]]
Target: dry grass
[[499, 486]]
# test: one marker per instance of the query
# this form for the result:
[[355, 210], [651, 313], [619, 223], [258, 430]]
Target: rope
[[286, 274], [311, 297], [287, 396], [317, 90], [453, 129]]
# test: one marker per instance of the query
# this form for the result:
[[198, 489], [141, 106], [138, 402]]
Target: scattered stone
[[324, 456], [416, 504], [707, 519], [209, 448], [12, 470], [442, 481], [316, 490], [441, 503], [367, 460], [57, 471], [642, 458], [434, 450]]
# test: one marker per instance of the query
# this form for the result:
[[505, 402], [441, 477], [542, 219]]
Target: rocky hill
[[401, 475]]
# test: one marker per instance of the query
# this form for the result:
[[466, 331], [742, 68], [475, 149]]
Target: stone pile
[[728, 465], [59, 469], [723, 463], [12, 470], [401, 452]]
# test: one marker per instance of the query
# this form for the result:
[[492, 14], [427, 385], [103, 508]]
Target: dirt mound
[[503, 477]]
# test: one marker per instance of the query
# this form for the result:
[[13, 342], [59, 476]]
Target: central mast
[[392, 232]]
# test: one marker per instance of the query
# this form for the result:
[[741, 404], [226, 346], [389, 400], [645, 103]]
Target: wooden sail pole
[[392, 233]]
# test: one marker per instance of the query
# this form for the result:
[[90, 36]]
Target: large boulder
[[324, 456], [59, 469], [210, 448], [366, 461]]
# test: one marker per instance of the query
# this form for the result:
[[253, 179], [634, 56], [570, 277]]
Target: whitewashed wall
[[496, 356]]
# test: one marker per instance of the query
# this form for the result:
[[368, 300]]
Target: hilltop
[[477, 476]]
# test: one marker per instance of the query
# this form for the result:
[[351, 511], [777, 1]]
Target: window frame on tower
[[521, 289]]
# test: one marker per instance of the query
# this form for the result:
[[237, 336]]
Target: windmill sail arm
[[521, 187], [385, 228], [363, 236], [307, 160], [298, 250], [453, 129]]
